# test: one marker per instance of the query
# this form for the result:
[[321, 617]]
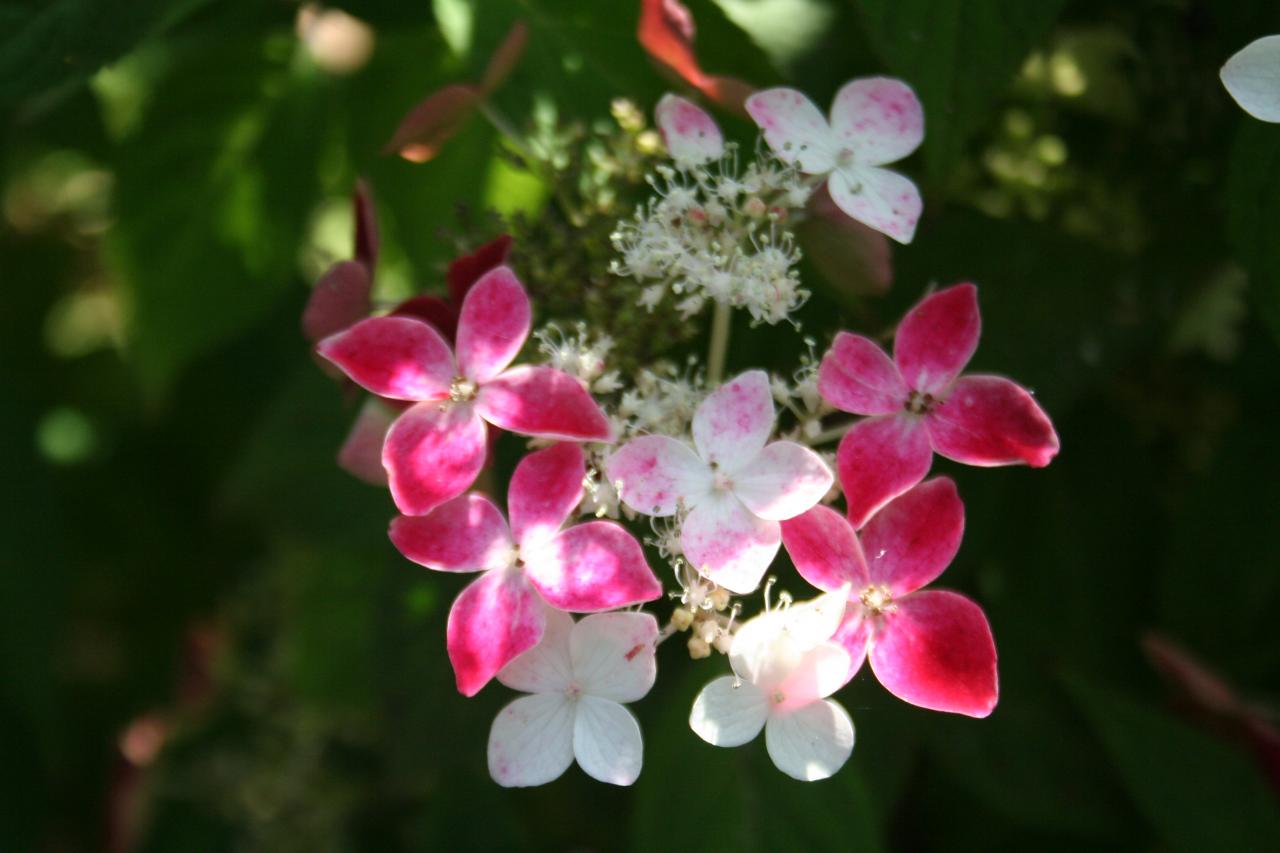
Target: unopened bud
[[720, 598], [755, 207], [681, 619], [708, 630], [698, 648], [723, 643]]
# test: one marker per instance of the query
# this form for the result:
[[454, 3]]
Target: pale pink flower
[[691, 135]]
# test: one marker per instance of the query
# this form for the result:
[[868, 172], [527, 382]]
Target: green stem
[[720, 323]]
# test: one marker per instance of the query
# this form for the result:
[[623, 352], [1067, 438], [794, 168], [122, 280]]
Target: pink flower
[[931, 648], [690, 134], [919, 403], [435, 449], [874, 121], [735, 487], [588, 567]]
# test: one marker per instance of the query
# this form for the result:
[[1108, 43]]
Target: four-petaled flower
[[919, 403], [735, 487], [579, 677], [692, 137], [587, 567]]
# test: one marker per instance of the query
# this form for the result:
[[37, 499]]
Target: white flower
[[1252, 76]]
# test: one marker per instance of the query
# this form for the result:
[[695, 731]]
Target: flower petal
[[613, 655], [989, 420], [691, 135], [466, 534], [936, 651], [825, 550], [915, 536], [812, 742], [727, 544], [1252, 77], [431, 309], [784, 480], [852, 635], [545, 668], [393, 357], [821, 672], [531, 742], [432, 454], [544, 490], [607, 741], [656, 473], [592, 566], [361, 452], [365, 214], [465, 271], [729, 712], [937, 337], [433, 121], [880, 458], [884, 200], [497, 617], [339, 300], [858, 377], [795, 129], [543, 402], [492, 325], [879, 119], [733, 423]]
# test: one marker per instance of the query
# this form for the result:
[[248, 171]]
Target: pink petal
[[795, 129], [465, 271], [880, 458], [656, 473], [432, 454], [690, 134], [879, 119], [825, 550], [433, 122], [853, 257], [339, 299], [884, 200], [544, 402], [466, 534], [590, 567], [365, 214], [937, 337], [431, 309], [727, 544], [393, 357], [497, 617], [784, 480], [493, 325], [732, 424], [361, 452], [936, 651], [989, 420], [544, 490], [857, 376], [853, 634], [915, 536]]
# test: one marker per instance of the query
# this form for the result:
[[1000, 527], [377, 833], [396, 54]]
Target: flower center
[[920, 403], [720, 480], [877, 599], [845, 158], [573, 691], [462, 389], [778, 697]]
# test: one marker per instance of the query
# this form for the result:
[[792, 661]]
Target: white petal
[[795, 129], [607, 742], [822, 671], [545, 668], [812, 742], [654, 473], [878, 118], [815, 621], [783, 480], [768, 648], [691, 135], [1252, 77], [727, 544], [531, 741], [612, 655], [886, 201], [725, 715], [732, 424]]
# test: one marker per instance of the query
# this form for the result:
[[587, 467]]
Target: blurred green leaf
[[1253, 198]]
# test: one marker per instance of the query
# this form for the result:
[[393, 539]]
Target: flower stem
[[828, 435], [720, 323]]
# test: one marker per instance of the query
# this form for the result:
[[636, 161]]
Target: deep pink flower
[[919, 403], [588, 567], [435, 449], [932, 648]]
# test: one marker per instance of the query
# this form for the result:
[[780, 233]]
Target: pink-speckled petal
[[988, 421], [466, 534], [914, 538], [657, 473], [543, 402], [825, 550], [613, 655], [879, 119], [936, 651], [432, 454], [361, 452], [880, 458], [544, 490], [733, 423], [858, 377], [729, 545], [590, 567], [878, 198], [795, 129], [691, 135], [937, 337], [393, 357], [545, 668], [494, 619], [784, 480], [531, 741], [492, 325]]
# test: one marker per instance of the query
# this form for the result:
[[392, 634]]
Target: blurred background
[[206, 641]]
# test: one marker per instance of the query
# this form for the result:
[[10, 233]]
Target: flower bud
[[698, 648], [681, 619], [720, 598], [708, 630], [723, 642]]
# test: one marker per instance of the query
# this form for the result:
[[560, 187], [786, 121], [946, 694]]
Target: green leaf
[[1253, 198]]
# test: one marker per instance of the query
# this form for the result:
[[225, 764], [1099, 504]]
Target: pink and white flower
[[919, 403], [874, 121], [932, 648], [436, 448], [735, 487], [578, 677], [785, 666], [691, 135], [587, 567]]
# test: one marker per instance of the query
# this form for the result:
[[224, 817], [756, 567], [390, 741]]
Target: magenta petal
[[492, 325], [733, 423], [465, 271], [339, 299], [361, 452], [936, 651], [915, 536], [857, 376], [543, 402], [853, 634], [937, 337], [495, 618], [825, 550], [393, 357], [432, 454], [544, 490], [880, 458], [466, 534], [431, 309], [654, 473], [989, 420], [592, 566]]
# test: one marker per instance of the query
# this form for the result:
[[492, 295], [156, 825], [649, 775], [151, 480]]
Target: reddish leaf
[[505, 58], [666, 32], [431, 124]]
